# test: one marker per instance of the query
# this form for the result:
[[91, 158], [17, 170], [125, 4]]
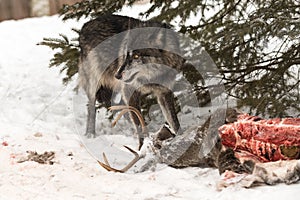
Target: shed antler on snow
[[124, 109], [107, 166]]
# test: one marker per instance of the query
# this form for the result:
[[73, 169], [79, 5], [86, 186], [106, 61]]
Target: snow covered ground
[[37, 114]]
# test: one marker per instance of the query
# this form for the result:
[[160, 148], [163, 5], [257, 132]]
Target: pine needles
[[66, 56]]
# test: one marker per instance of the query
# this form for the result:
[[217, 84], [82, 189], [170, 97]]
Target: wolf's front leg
[[165, 99], [91, 117]]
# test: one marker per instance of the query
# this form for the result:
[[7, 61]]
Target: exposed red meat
[[269, 139]]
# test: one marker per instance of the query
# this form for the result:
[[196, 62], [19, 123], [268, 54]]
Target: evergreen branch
[[67, 55], [88, 8]]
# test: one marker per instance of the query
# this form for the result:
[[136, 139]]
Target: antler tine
[[136, 158], [107, 166], [125, 109]]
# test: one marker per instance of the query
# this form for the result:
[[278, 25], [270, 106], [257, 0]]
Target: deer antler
[[124, 109], [107, 166]]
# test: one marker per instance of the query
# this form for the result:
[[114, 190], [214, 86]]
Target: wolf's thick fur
[[116, 61]]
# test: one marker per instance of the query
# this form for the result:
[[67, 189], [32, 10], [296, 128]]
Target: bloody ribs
[[267, 139]]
